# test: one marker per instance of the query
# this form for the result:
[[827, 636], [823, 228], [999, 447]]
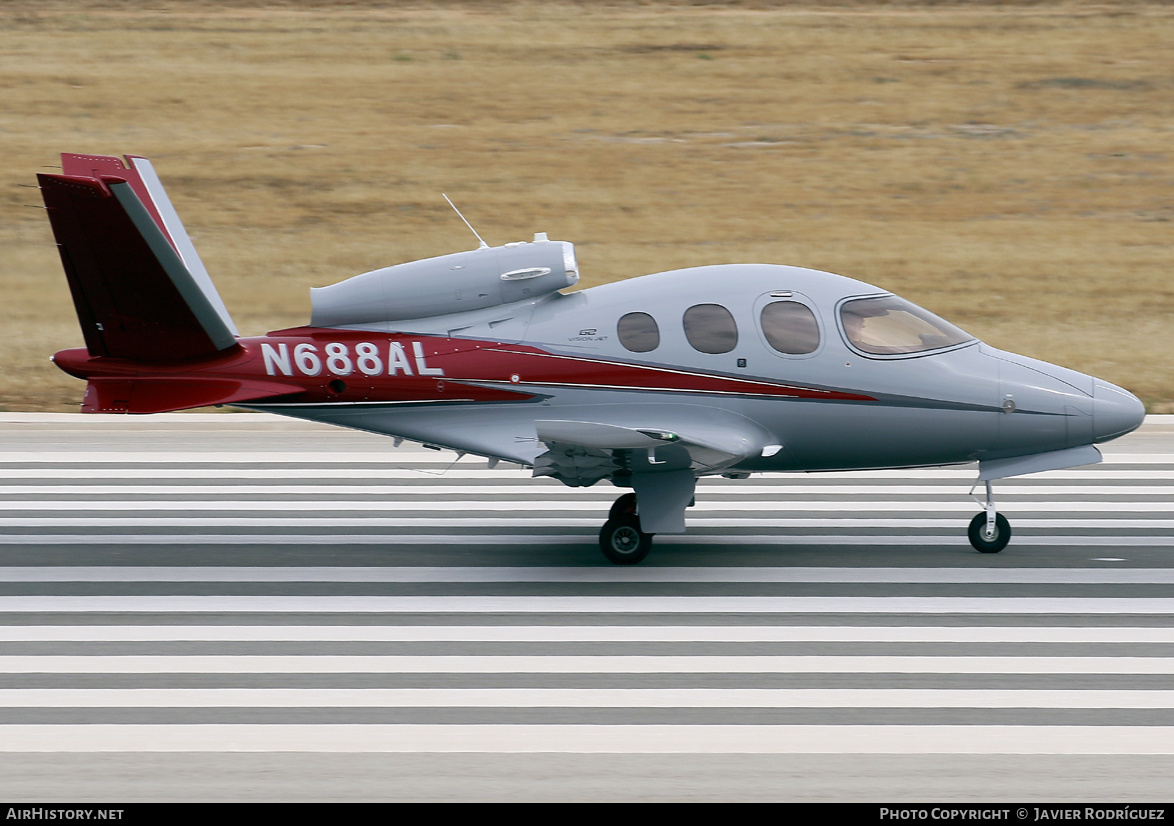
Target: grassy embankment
[[1008, 167]]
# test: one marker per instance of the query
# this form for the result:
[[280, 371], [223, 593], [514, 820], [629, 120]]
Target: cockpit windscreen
[[888, 325]]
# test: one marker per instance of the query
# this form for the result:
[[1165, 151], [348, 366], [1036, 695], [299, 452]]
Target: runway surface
[[238, 607]]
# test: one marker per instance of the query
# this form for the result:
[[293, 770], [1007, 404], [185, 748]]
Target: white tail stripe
[[179, 238]]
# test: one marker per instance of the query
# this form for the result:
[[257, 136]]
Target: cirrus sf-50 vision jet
[[648, 383]]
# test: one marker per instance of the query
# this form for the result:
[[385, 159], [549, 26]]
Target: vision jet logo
[[588, 334]]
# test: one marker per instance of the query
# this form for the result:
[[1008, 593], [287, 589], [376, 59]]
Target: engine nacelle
[[484, 277]]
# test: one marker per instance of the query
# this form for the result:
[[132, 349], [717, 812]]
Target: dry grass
[[1009, 167]]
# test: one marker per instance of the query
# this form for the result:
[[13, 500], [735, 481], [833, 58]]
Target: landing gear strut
[[989, 531], [624, 506], [621, 540]]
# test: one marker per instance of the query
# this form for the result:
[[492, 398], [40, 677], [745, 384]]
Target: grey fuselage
[[959, 403]]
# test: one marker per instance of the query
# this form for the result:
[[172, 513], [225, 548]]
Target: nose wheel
[[989, 531], [621, 540], [989, 540]]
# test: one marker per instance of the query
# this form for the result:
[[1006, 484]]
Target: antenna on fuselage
[[470, 226]]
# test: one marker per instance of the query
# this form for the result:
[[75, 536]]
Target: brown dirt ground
[[1006, 165]]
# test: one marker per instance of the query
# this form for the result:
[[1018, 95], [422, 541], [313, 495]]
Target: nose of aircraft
[[1115, 412]]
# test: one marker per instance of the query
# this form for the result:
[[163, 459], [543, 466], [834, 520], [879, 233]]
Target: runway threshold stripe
[[962, 505], [721, 491], [847, 519], [580, 698], [591, 739], [118, 470], [589, 605], [393, 458], [385, 459], [583, 633], [556, 540], [634, 664], [608, 574]]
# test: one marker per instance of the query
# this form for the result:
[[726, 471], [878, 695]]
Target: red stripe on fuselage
[[601, 373], [349, 366], [478, 363]]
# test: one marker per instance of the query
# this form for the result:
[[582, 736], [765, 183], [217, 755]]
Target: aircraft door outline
[[783, 295]]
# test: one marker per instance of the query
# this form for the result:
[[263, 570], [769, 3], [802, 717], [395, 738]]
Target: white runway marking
[[803, 488], [397, 541], [577, 698], [554, 664], [590, 739], [504, 472], [438, 459], [969, 654], [589, 605], [963, 505], [1036, 576], [580, 633]]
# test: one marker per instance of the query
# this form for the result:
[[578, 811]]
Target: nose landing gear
[[989, 531]]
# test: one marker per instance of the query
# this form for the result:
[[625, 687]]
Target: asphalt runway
[[239, 607]]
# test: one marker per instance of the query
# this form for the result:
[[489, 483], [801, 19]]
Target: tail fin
[[139, 288]]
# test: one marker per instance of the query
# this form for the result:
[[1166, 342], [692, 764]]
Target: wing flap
[[599, 435]]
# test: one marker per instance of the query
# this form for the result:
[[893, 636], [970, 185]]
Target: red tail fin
[[135, 298]]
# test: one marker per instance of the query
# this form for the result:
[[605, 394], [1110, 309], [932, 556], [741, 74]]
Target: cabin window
[[638, 332], [888, 325], [710, 328], [790, 327]]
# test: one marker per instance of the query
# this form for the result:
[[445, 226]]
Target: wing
[[657, 450], [581, 453], [617, 441]]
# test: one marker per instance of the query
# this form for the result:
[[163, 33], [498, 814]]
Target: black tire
[[624, 506], [622, 541], [992, 544]]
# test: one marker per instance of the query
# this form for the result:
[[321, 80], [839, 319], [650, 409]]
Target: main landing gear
[[621, 540], [989, 531]]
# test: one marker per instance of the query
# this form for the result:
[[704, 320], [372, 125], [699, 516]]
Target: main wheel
[[624, 506], [993, 542], [622, 541]]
